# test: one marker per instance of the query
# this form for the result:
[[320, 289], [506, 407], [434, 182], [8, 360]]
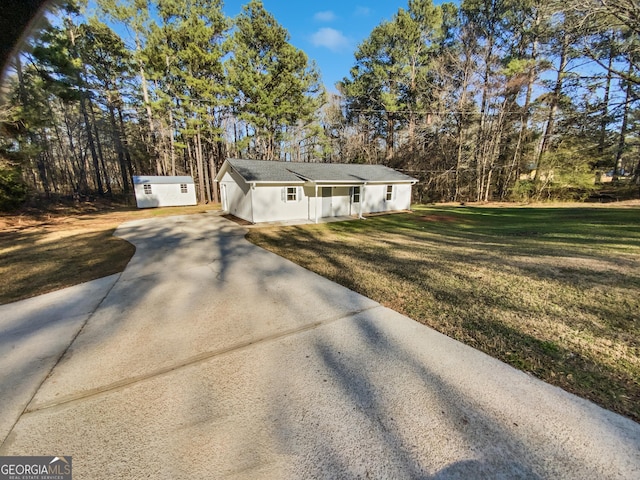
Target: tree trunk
[[200, 169], [40, 166], [119, 150], [85, 113], [213, 164], [92, 146], [480, 151], [390, 140], [125, 144], [105, 172], [147, 106], [623, 128], [605, 102], [524, 117], [553, 108], [78, 163], [172, 149]]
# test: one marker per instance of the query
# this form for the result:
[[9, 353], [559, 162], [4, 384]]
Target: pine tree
[[184, 53], [392, 78], [273, 84]]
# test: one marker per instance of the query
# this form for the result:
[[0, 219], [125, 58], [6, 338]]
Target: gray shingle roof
[[297, 172], [347, 172], [263, 171], [155, 179]]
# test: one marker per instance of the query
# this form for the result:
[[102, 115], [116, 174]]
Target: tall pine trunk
[[83, 109], [617, 168], [553, 108]]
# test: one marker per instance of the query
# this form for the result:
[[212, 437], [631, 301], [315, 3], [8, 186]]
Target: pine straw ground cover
[[551, 291], [43, 251]]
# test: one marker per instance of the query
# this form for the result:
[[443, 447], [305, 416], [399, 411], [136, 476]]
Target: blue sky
[[328, 31]]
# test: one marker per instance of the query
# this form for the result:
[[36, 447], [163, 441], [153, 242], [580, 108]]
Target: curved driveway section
[[212, 358]]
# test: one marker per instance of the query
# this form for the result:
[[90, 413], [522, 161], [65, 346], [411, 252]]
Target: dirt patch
[[237, 220], [440, 218]]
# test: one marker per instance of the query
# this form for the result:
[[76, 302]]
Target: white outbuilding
[[268, 191], [164, 191]]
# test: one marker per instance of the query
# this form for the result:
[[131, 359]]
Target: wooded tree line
[[500, 98], [492, 99]]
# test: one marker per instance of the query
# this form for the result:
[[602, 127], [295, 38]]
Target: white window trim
[[388, 195], [184, 188], [147, 189], [295, 194], [354, 194]]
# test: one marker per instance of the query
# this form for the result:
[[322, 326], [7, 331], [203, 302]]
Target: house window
[[183, 188], [389, 193], [356, 194], [292, 194], [147, 189]]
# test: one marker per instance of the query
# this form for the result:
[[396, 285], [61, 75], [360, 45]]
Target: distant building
[[164, 191]]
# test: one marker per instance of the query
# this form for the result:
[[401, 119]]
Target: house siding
[[269, 204], [238, 196], [374, 198]]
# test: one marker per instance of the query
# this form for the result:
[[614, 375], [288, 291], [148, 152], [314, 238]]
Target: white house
[[163, 191], [267, 191]]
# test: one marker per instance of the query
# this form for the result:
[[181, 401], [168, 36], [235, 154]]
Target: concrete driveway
[[209, 357]]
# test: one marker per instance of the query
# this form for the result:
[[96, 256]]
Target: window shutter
[[284, 194], [299, 194]]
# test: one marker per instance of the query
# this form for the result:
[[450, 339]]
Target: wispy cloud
[[330, 38], [362, 12], [326, 16]]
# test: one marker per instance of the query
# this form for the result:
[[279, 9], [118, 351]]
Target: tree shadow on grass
[[34, 265], [469, 307]]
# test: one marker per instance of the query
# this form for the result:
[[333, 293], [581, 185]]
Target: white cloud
[[330, 38], [362, 12], [327, 16]]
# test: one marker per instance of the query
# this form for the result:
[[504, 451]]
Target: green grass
[[552, 291]]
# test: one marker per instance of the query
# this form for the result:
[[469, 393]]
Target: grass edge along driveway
[[41, 252], [551, 291]]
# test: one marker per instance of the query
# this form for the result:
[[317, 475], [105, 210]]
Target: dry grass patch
[[552, 291], [44, 251]]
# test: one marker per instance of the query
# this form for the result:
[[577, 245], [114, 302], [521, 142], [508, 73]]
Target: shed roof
[[156, 179], [297, 172]]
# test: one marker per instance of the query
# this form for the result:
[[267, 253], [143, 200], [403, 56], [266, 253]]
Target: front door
[[327, 207]]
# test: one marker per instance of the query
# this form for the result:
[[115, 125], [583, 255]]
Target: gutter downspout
[[253, 187], [316, 205]]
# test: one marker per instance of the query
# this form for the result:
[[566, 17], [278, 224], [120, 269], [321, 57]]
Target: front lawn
[[551, 291]]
